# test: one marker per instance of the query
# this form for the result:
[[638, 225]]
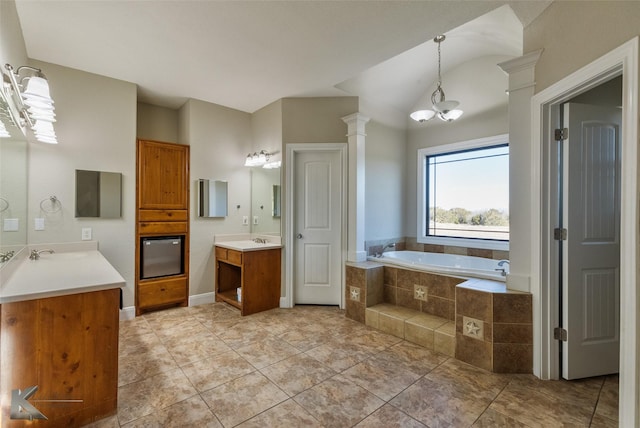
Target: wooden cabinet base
[[67, 346]]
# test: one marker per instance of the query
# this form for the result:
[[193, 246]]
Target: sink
[[64, 256]]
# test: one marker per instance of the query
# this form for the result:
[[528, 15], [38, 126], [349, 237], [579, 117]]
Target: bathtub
[[451, 264]]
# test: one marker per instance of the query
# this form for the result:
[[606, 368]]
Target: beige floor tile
[[608, 399], [192, 412], [389, 417], [380, 378], [145, 397], [285, 415], [297, 373], [438, 404], [492, 419], [145, 363], [212, 372], [412, 357], [205, 340], [262, 353], [338, 402], [243, 398], [540, 410]]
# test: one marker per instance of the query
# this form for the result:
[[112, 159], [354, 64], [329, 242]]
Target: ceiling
[[248, 54]]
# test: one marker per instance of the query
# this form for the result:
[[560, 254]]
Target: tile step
[[429, 331]]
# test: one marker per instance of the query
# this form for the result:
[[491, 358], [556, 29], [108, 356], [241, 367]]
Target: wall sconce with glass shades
[[441, 108], [261, 159], [26, 101]]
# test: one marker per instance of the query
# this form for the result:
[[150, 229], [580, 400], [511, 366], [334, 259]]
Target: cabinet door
[[163, 175]]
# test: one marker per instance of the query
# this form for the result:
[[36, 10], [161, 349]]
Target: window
[[463, 194]]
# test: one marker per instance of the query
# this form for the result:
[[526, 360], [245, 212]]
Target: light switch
[[11, 224], [245, 220], [86, 234], [39, 223], [255, 219]]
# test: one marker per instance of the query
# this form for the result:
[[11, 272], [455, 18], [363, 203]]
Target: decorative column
[[522, 83], [355, 205]]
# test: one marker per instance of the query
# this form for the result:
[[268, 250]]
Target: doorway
[[316, 224], [622, 61]]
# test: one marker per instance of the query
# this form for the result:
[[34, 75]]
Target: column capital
[[521, 71], [355, 123]]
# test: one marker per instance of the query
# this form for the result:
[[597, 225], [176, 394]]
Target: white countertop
[[245, 242], [58, 274], [247, 245]]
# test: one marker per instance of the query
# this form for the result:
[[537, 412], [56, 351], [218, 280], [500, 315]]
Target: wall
[[316, 120], [96, 128], [157, 123], [12, 48], [385, 196], [574, 34], [220, 139]]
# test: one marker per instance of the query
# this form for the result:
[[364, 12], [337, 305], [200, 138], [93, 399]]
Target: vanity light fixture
[[257, 159], [26, 90], [443, 109]]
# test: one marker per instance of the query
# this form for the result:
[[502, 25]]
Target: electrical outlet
[[245, 220], [86, 234], [11, 224]]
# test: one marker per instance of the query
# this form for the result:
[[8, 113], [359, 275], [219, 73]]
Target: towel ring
[[4, 205], [54, 205]]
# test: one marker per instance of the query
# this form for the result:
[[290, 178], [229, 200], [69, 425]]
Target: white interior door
[[318, 226], [591, 252]]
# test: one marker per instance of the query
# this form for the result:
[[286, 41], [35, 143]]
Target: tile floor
[[205, 366]]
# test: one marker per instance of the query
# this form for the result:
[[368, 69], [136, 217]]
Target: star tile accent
[[355, 293], [473, 328], [420, 292]]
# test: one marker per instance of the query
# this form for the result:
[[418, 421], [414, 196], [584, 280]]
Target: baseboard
[[284, 302], [127, 313], [202, 299]]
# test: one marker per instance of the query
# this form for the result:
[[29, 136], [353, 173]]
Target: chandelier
[[443, 109]]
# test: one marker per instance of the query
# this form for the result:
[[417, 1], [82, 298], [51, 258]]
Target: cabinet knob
[[299, 236]]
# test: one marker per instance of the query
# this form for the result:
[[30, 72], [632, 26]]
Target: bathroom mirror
[[275, 200], [98, 194], [212, 198], [13, 189], [265, 201]]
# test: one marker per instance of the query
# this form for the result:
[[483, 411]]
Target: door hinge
[[560, 234], [561, 134], [560, 333]]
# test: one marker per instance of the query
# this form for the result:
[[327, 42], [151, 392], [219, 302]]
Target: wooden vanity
[[256, 270], [59, 332]]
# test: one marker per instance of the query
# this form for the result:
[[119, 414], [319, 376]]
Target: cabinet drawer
[[162, 292], [162, 227], [162, 215], [221, 253], [234, 257]]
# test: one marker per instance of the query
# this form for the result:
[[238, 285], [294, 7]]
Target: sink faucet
[[6, 256], [35, 254], [260, 240], [501, 267]]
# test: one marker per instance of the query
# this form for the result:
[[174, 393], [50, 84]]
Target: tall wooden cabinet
[[162, 209]]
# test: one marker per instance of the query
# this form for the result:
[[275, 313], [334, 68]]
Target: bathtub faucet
[[392, 245], [501, 268]]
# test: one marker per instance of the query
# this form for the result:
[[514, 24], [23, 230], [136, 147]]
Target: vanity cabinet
[[256, 272], [67, 346]]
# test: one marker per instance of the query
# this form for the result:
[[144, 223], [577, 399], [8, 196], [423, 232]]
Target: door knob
[[299, 236]]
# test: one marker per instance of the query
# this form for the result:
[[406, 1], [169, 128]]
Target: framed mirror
[[98, 194], [265, 201], [212, 198]]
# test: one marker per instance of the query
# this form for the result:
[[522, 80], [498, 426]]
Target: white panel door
[[318, 226], [591, 253]]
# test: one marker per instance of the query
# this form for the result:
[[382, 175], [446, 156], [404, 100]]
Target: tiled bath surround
[[411, 244], [487, 327]]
